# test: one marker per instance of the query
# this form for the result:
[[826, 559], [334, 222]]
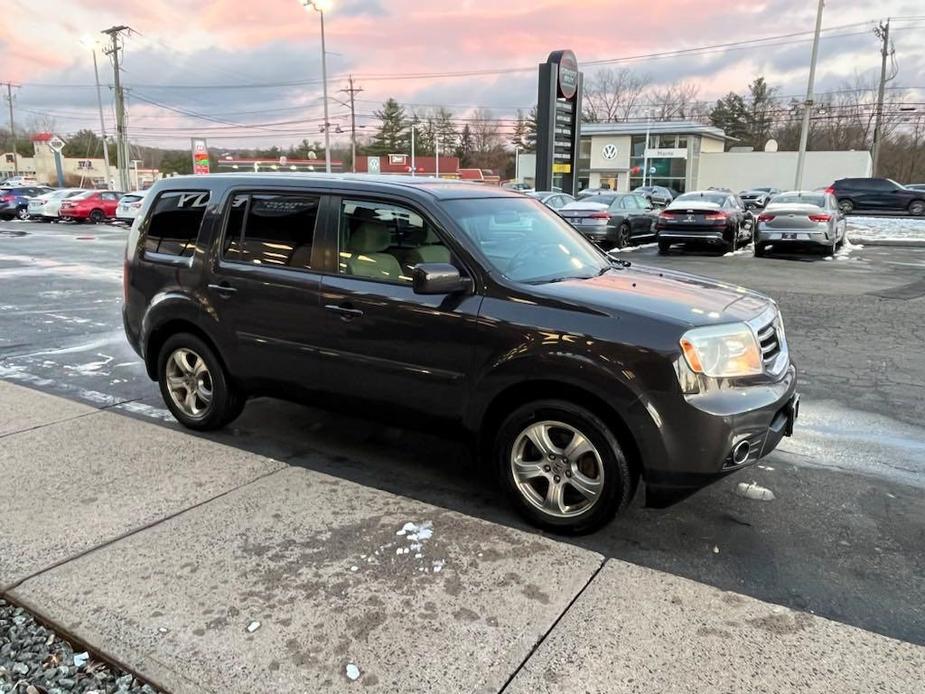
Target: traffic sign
[[56, 144]]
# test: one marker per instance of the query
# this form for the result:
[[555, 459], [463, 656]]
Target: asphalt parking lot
[[842, 537]]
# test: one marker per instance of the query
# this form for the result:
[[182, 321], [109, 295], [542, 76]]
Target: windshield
[[797, 199], [525, 241], [718, 198], [82, 196]]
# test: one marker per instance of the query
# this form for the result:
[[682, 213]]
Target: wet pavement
[[842, 537]]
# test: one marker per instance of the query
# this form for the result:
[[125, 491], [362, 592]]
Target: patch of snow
[[253, 626], [745, 250], [353, 672], [754, 491], [630, 249], [886, 228], [438, 565]]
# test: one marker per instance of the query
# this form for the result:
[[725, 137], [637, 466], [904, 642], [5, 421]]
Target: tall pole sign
[[558, 122], [200, 156]]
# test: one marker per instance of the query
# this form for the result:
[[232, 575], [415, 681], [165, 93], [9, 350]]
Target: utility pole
[[886, 50], [114, 34], [9, 97], [808, 104], [353, 122], [99, 101]]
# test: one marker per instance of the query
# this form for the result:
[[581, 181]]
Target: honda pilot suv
[[576, 375]]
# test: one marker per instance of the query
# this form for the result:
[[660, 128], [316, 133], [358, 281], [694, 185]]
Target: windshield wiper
[[619, 262]]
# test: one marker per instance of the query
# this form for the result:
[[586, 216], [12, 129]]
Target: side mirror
[[438, 278]]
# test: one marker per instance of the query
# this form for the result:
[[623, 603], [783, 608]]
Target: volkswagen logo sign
[[609, 151]]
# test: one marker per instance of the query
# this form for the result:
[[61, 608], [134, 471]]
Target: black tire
[[623, 236], [758, 250], [619, 479], [917, 208], [846, 206], [227, 401], [97, 216], [663, 247], [22, 213]]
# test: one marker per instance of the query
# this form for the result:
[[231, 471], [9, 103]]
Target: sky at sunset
[[258, 62]]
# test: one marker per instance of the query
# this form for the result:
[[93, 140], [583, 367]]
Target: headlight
[[722, 351]]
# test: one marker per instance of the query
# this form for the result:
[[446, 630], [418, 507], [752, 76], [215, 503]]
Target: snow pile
[[886, 228], [745, 250], [630, 249]]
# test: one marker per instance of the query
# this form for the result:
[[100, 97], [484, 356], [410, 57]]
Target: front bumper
[[708, 427]]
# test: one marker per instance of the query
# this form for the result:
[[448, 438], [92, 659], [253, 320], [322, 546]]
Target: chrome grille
[[770, 344]]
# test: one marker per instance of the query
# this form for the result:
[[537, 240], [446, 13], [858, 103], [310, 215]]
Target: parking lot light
[[320, 6]]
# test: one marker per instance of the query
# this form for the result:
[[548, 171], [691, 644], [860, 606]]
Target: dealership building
[[686, 155]]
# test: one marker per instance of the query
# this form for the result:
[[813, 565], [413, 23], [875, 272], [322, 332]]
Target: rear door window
[[174, 222], [272, 229]]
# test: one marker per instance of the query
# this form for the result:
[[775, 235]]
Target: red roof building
[[400, 164]]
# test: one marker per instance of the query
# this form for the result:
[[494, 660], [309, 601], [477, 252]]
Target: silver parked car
[[801, 220], [552, 199]]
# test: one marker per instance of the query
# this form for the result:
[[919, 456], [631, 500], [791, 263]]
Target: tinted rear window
[[718, 198], [174, 222], [787, 199], [272, 229]]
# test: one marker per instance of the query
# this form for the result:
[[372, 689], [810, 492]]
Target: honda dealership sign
[[558, 122]]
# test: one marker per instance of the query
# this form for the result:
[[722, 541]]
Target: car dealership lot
[[841, 538]]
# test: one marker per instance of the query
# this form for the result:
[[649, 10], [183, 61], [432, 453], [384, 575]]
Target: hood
[[676, 296]]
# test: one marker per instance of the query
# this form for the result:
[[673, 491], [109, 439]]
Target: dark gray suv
[[430, 303]]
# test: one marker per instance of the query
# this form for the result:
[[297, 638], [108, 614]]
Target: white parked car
[[47, 206], [129, 206]]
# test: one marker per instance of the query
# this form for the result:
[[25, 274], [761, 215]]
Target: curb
[[900, 243]]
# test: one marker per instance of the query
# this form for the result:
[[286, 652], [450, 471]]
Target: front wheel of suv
[[194, 384], [562, 467], [663, 247]]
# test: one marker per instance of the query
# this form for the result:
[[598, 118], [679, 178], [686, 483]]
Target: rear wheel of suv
[[194, 384], [758, 249], [846, 206], [663, 247], [562, 467], [917, 208]]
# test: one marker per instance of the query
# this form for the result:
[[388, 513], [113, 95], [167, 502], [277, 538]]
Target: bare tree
[[674, 101], [612, 95], [486, 133]]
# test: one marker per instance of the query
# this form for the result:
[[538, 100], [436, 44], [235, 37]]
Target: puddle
[[831, 435]]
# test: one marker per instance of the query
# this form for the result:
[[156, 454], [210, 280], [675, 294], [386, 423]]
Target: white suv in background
[[129, 206]]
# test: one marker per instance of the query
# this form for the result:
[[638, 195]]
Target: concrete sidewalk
[[205, 568]]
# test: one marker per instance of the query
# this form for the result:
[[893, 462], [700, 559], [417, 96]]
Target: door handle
[[345, 312], [224, 289]]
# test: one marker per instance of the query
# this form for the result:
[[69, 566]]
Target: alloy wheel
[[189, 382], [557, 469], [917, 208], [23, 213]]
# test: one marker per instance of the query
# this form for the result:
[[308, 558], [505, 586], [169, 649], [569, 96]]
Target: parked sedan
[[757, 198], [14, 202], [129, 206], [657, 195], [708, 218], [554, 200], [45, 207], [802, 219], [91, 205], [611, 220]]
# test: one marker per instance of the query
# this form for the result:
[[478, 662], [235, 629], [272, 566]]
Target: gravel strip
[[35, 660]]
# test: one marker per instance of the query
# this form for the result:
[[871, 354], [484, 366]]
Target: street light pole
[[99, 102], [517, 163], [412, 150], [314, 4], [645, 151], [808, 104]]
